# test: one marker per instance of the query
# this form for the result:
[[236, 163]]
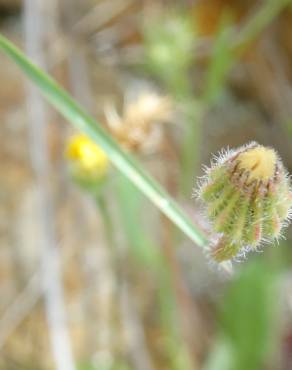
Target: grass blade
[[70, 109]]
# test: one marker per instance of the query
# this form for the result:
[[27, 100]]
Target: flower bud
[[89, 164], [248, 199]]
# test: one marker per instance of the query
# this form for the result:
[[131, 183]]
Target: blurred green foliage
[[169, 49], [247, 319], [117, 366], [147, 251], [220, 63], [134, 222], [169, 42]]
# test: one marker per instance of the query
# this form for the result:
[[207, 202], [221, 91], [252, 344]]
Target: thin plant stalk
[[19, 308], [138, 350], [102, 205], [191, 147], [51, 277], [258, 22]]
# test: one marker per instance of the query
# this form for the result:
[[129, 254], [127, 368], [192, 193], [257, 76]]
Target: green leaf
[[70, 109], [221, 61], [248, 315]]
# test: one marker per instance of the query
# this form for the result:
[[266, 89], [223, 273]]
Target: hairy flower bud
[[248, 199]]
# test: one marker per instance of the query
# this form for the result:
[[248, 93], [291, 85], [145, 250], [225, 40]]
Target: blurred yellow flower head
[[86, 157]]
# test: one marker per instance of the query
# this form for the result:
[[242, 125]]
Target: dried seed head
[[139, 129], [248, 199]]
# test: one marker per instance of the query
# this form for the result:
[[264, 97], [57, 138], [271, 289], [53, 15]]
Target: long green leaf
[[69, 108], [267, 12]]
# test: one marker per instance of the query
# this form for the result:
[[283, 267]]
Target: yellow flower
[[86, 157]]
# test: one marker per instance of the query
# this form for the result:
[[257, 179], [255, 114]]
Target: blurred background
[[92, 276]]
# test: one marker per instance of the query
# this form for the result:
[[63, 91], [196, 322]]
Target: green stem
[[107, 220], [125, 163], [190, 157], [257, 23]]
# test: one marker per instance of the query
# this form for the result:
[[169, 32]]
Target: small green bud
[[248, 199]]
